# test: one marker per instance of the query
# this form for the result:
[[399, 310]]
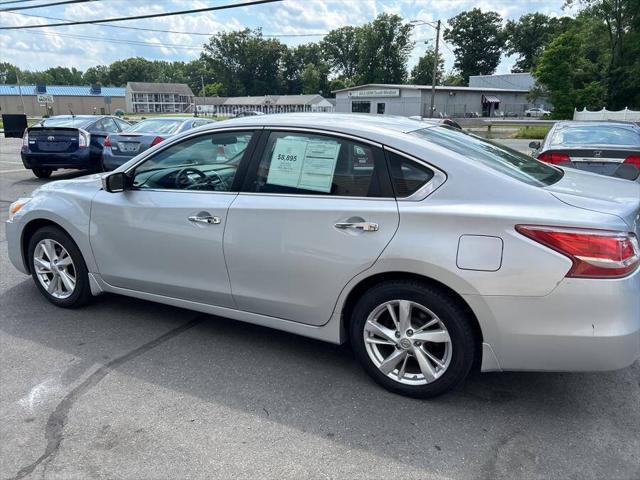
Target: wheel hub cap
[[54, 268], [407, 342]]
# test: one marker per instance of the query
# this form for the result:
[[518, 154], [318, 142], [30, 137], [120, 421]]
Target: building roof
[[210, 100], [147, 87], [63, 90], [280, 100], [428, 87], [523, 81]]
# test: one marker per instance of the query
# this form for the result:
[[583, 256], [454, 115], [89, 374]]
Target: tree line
[[591, 60]]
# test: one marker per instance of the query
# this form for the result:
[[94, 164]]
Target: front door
[[164, 234], [315, 211]]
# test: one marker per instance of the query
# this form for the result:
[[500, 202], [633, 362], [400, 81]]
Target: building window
[[360, 106], [381, 108]]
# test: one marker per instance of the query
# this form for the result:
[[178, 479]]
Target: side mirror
[[627, 171], [114, 182], [535, 144]]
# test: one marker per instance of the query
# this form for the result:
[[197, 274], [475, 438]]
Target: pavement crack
[[54, 429]]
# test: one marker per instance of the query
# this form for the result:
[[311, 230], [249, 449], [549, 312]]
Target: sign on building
[[46, 98], [375, 92]]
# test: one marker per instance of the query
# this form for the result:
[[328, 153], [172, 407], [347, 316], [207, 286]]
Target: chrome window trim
[[326, 197], [321, 131], [439, 177]]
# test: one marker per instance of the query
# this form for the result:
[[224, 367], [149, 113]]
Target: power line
[[120, 41], [28, 7], [171, 31], [139, 17], [16, 1]]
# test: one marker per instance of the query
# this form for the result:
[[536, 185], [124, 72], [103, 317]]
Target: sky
[[83, 46]]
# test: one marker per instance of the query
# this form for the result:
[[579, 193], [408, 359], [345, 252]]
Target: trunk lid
[[601, 194], [53, 139], [130, 144]]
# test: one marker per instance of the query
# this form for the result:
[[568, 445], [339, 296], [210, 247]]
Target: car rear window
[[156, 126], [67, 121], [498, 157], [595, 135]]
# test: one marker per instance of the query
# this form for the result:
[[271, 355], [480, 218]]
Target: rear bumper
[[80, 159], [583, 325]]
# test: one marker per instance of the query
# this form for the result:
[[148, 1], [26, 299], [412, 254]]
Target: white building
[[143, 97], [415, 100], [227, 106]]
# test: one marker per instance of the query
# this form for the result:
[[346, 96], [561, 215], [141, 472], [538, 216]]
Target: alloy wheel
[[407, 342], [54, 268]]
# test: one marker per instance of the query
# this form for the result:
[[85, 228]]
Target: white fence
[[604, 114]]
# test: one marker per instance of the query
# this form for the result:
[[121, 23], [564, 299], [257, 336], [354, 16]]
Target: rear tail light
[[83, 139], [107, 142], [156, 141], [554, 157], [594, 253], [633, 160], [25, 140]]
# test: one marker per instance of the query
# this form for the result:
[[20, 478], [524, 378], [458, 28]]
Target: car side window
[[206, 162], [407, 176], [312, 164], [106, 125]]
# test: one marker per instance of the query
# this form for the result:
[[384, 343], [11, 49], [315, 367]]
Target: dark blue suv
[[68, 141]]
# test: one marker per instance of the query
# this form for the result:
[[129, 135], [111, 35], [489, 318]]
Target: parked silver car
[[428, 248], [608, 148]]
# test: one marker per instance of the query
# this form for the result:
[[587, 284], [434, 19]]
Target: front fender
[[70, 212]]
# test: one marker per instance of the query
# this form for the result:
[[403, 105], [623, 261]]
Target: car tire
[[66, 266], [42, 172], [427, 304]]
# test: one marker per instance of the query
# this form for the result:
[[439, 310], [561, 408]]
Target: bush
[[537, 133]]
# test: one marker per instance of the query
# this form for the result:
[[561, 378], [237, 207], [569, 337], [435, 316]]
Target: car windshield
[[156, 126], [67, 121], [595, 135], [498, 157]]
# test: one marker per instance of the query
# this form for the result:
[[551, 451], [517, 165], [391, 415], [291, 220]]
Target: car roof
[[338, 122]]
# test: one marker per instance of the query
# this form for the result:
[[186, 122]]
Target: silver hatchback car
[[429, 249]]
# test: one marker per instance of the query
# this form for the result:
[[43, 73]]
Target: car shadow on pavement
[[319, 388]]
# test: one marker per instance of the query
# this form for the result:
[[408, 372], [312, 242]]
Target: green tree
[[98, 74], [621, 20], [477, 39], [135, 69], [422, 73], [212, 89], [310, 79], [8, 73], [341, 50], [528, 36], [244, 62], [384, 46], [572, 68]]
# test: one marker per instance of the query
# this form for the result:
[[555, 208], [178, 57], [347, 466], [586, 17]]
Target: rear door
[[316, 209]]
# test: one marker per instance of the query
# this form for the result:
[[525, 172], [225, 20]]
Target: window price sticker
[[304, 164]]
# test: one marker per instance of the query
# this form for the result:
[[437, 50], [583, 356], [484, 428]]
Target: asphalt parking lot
[[130, 389]]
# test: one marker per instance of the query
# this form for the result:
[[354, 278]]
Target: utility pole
[[435, 71], [20, 91]]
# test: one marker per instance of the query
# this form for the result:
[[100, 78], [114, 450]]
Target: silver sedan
[[431, 250]]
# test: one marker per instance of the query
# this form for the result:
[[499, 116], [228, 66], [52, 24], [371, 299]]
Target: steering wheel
[[183, 181], [182, 177]]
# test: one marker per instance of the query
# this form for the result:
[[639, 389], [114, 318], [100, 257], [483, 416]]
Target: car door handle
[[364, 226], [200, 218]]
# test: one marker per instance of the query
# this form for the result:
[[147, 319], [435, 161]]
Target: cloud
[[39, 49]]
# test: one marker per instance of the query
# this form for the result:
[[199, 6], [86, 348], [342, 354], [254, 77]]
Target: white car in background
[[536, 112]]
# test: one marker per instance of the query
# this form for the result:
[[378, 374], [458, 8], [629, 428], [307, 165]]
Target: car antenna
[[73, 118]]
